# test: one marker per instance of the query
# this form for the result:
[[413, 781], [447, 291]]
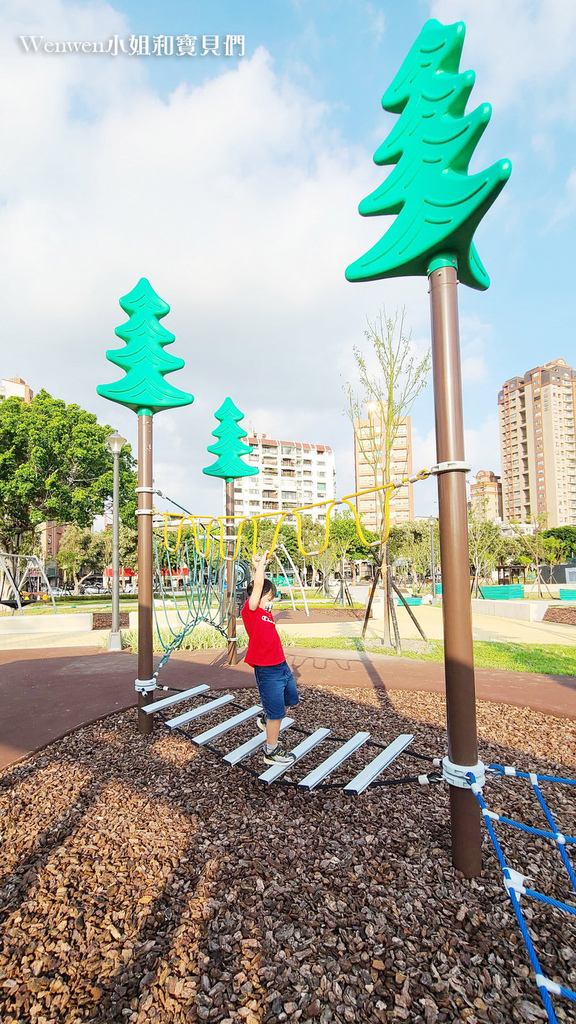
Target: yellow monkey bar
[[214, 526]]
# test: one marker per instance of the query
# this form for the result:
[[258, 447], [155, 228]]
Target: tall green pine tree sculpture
[[144, 360], [438, 204], [229, 447]]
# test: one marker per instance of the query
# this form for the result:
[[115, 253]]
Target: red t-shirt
[[264, 644]]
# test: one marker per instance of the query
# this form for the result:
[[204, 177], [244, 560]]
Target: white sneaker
[[261, 722], [279, 756]]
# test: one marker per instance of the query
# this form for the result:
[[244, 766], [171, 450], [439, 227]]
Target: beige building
[[368, 436], [15, 387], [486, 495], [291, 474], [538, 446]]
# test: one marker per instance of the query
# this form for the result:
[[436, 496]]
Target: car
[[93, 588]]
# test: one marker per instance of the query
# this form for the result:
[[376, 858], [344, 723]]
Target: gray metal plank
[[275, 770], [149, 709], [361, 781], [227, 724], [332, 762], [203, 709], [237, 755]]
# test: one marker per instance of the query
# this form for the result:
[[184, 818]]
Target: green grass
[[549, 659], [552, 659]]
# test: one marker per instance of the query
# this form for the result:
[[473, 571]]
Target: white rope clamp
[[144, 512], [515, 880], [144, 685], [449, 467], [146, 490], [551, 986], [456, 774]]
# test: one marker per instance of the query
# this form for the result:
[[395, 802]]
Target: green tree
[[484, 546], [566, 534], [388, 394], [55, 465], [229, 448], [438, 204], [144, 360], [81, 554]]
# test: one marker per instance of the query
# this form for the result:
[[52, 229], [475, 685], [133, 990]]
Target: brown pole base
[[145, 722], [466, 832], [232, 652]]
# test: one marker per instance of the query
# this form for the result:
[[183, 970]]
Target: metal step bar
[[251, 746], [227, 724], [307, 744], [203, 709], [166, 702], [357, 785], [335, 759], [361, 781]]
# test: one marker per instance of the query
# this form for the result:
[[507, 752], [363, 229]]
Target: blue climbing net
[[191, 589], [514, 880]]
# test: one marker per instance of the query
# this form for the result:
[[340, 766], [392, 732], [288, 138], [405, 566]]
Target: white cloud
[[567, 206], [233, 197], [523, 50]]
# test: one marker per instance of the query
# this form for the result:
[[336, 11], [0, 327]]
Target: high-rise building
[[486, 495], [538, 446], [15, 387], [368, 437], [292, 473]]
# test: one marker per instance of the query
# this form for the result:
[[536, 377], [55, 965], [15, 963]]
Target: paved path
[[46, 693], [342, 623]]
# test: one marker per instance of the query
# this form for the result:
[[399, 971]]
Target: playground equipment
[[312, 780], [438, 207], [514, 881], [13, 581], [144, 390]]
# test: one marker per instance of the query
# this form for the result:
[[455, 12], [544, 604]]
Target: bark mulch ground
[[566, 616], [144, 881]]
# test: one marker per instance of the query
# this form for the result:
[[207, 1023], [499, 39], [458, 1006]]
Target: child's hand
[[260, 560]]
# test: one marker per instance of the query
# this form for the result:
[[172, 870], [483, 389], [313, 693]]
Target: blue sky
[[233, 185]]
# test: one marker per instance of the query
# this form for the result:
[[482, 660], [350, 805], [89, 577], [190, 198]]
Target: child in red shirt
[[273, 676]]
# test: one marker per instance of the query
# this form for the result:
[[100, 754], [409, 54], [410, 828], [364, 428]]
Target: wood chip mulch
[[103, 620], [144, 881], [566, 616]]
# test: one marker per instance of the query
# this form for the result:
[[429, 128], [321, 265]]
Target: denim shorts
[[277, 689]]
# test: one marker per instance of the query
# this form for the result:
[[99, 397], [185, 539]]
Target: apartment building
[[15, 387], [538, 445], [486, 495], [368, 436], [292, 473]]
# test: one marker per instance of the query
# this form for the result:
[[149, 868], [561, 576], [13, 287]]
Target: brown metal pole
[[145, 572], [230, 580], [456, 608]]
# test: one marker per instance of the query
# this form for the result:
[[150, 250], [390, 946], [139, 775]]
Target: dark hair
[[267, 588]]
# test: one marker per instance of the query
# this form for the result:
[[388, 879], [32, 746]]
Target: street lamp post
[[115, 443]]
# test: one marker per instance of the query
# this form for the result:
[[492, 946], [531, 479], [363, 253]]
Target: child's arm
[[259, 563]]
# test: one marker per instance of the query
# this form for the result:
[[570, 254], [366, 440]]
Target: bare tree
[[387, 394]]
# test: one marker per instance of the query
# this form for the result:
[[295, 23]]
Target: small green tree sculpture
[[439, 205], [144, 360], [229, 448]]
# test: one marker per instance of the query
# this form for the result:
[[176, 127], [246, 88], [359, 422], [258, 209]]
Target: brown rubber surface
[[47, 693]]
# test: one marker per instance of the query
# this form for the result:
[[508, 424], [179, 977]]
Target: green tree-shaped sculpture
[[229, 447], [439, 205], [144, 360]]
